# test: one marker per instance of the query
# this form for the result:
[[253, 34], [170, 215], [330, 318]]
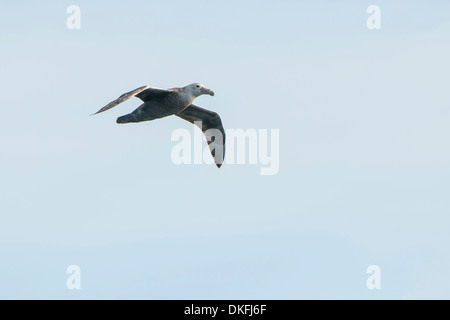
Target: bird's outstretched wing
[[209, 120], [144, 93]]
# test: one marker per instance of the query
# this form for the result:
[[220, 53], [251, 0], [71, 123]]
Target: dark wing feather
[[151, 93], [210, 120], [144, 93]]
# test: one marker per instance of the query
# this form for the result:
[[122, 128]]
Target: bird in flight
[[160, 103]]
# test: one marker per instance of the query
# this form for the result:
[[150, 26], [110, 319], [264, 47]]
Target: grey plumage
[[122, 98], [159, 103], [209, 120]]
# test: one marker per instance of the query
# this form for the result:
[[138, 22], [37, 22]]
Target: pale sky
[[364, 151]]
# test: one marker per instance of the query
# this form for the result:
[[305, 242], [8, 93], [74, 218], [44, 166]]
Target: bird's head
[[197, 89]]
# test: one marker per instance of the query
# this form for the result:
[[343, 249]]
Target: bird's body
[[160, 103], [158, 107]]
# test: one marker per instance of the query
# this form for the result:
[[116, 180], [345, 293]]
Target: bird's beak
[[207, 91]]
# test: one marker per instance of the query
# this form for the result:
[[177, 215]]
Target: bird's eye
[[198, 86]]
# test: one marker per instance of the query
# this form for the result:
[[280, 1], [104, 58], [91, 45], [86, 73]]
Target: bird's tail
[[126, 118]]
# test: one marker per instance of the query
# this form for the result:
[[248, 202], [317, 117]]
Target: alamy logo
[[74, 20], [249, 146], [74, 280], [374, 20], [374, 280]]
